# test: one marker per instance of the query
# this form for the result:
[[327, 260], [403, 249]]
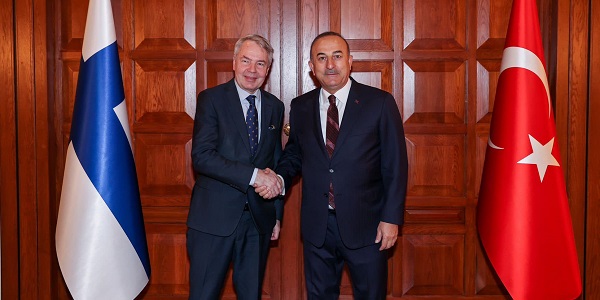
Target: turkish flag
[[523, 214]]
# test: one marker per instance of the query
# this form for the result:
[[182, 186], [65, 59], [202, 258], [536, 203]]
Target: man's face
[[331, 63], [251, 66]]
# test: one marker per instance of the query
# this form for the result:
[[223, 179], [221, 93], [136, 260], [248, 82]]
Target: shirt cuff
[[283, 187], [253, 179]]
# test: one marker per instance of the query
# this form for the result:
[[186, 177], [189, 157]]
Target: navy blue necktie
[[252, 124]]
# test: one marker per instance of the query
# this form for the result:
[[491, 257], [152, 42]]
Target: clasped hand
[[267, 184]]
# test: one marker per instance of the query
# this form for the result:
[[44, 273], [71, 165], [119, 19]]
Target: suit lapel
[[266, 110], [236, 113], [351, 116], [318, 130]]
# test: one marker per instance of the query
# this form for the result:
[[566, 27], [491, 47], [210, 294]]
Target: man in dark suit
[[347, 141], [236, 141]]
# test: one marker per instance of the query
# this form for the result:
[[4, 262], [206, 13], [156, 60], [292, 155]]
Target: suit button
[[330, 170], [326, 195]]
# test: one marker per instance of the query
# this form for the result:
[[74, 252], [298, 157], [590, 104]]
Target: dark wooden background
[[440, 59]]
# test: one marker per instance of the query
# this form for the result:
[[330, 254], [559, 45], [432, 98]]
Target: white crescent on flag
[[518, 57]]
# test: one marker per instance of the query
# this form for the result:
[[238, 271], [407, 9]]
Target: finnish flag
[[100, 238]]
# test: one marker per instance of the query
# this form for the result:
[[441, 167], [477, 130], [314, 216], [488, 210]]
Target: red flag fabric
[[523, 214]]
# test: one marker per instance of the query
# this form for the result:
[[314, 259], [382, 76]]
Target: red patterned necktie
[[331, 133], [333, 127]]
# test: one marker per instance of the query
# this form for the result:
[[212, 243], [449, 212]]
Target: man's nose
[[329, 64]]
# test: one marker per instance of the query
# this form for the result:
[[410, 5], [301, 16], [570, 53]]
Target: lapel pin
[[356, 101]]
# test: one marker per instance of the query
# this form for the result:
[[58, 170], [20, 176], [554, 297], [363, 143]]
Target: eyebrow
[[334, 52], [250, 59]]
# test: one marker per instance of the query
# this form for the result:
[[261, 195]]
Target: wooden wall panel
[[26, 143], [161, 25], [165, 175], [70, 72], [488, 72], [219, 72], [434, 76], [361, 19], [365, 24], [437, 165], [8, 156], [228, 20], [73, 24], [164, 88], [486, 281], [576, 104], [168, 253], [434, 93], [481, 140], [492, 23], [592, 261], [435, 25], [374, 73], [433, 265], [160, 53], [32, 123]]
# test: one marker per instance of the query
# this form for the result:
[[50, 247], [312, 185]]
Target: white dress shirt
[[341, 97], [245, 105]]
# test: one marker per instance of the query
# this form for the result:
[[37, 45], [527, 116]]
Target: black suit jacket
[[368, 167], [221, 158]]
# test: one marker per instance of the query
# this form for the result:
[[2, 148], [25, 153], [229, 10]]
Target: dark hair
[[261, 41], [326, 34]]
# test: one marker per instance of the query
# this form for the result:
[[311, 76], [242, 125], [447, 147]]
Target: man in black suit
[[236, 143], [347, 141]]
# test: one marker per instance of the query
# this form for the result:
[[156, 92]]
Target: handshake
[[267, 184]]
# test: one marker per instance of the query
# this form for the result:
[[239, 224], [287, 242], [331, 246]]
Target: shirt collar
[[243, 94], [341, 94]]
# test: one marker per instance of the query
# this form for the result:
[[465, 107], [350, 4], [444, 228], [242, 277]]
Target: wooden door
[[439, 58]]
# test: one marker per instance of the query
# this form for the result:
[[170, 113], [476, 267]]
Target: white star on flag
[[541, 156]]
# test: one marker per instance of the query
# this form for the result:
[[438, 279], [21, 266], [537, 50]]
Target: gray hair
[[261, 41]]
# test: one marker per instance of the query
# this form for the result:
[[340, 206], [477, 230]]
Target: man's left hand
[[276, 229], [387, 233]]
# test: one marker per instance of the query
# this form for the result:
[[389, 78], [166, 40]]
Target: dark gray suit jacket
[[223, 164], [368, 168]]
